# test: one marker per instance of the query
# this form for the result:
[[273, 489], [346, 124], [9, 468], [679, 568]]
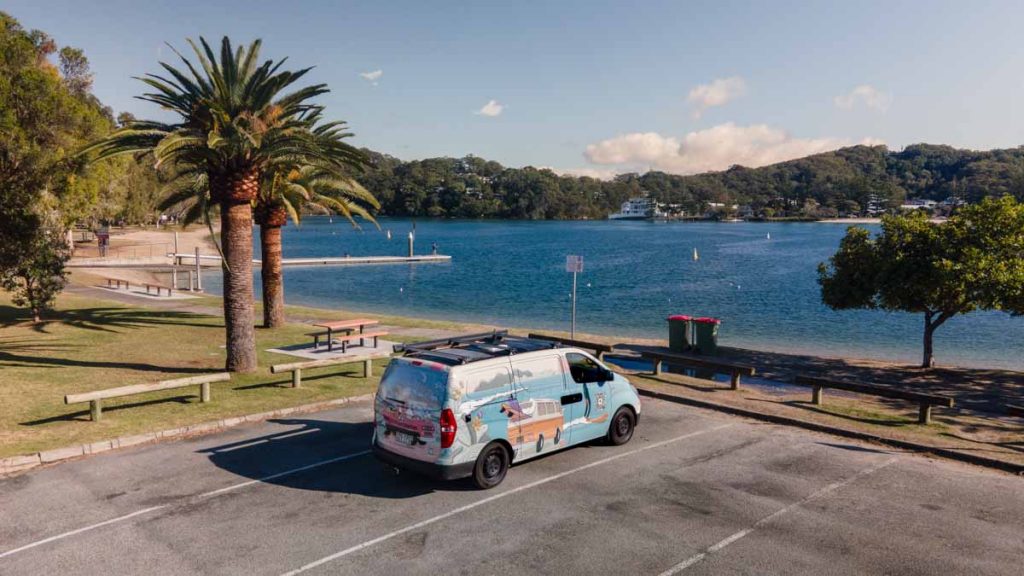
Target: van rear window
[[421, 387]]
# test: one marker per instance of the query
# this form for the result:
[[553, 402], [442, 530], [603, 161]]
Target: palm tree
[[286, 193], [233, 123]]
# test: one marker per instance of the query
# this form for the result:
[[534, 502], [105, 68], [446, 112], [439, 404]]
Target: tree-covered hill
[[845, 181]]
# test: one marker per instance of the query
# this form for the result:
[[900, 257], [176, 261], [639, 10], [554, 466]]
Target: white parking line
[[696, 558], [490, 499], [209, 494]]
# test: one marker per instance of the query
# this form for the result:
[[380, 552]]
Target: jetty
[[331, 260]]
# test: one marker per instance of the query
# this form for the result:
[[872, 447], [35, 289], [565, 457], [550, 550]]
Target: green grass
[[94, 344]]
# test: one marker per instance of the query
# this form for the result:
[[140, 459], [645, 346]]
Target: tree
[[974, 261], [39, 275], [286, 193], [234, 121], [43, 187]]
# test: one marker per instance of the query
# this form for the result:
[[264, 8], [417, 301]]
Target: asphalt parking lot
[[694, 492]]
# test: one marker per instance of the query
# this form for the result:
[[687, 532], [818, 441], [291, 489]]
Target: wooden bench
[[924, 401], [95, 399], [735, 371], [597, 347], [158, 287], [117, 283], [1012, 410], [296, 368]]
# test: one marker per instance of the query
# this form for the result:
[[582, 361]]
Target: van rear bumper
[[430, 469]]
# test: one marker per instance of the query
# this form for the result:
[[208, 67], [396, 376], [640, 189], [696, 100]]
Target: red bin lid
[[680, 317], [707, 320]]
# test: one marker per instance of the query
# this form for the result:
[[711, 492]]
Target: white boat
[[639, 208]]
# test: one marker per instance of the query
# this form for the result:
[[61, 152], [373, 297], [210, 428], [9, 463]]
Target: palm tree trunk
[[273, 281], [236, 238]]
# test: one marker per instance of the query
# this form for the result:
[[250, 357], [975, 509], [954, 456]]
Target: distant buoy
[[330, 220], [695, 255], [389, 234], [768, 236]]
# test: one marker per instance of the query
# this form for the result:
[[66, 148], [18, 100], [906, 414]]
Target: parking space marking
[[209, 494], [467, 507], [697, 558]]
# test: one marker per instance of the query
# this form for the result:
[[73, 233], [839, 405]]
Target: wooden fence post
[[924, 414], [95, 410], [816, 395], [367, 368], [657, 367], [734, 382], [204, 392], [297, 378]]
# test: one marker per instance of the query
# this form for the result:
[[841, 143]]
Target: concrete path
[[694, 492]]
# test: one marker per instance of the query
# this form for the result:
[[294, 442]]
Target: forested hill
[[843, 181]]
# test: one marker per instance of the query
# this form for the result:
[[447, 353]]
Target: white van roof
[[476, 348]]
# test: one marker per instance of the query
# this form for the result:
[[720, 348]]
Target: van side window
[[582, 368], [491, 380], [539, 372]]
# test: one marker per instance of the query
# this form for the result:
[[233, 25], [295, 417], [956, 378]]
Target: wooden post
[[199, 273], [297, 378], [174, 276], [96, 410], [367, 368], [924, 414], [816, 396], [191, 280], [204, 392], [657, 367], [734, 382]]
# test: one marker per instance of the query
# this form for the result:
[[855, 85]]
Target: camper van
[[471, 406]]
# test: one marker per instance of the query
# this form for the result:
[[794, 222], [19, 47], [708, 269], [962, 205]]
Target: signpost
[[573, 264]]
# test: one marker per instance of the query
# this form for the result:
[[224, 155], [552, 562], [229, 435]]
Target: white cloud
[[865, 94], [715, 148], [373, 76], [717, 93], [492, 109]]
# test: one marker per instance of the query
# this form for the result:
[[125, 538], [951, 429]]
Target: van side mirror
[[607, 375]]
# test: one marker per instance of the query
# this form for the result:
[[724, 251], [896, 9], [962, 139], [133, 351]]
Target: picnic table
[[350, 330]]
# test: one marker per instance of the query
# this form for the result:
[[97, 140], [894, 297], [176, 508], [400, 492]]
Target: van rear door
[[409, 401]]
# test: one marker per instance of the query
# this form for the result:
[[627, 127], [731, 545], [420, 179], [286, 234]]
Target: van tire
[[558, 435], [540, 443], [491, 466], [621, 428]]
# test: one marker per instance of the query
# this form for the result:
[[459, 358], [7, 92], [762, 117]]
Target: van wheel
[[621, 428], [491, 466], [540, 443], [558, 435]]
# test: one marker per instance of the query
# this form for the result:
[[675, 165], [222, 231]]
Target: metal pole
[[410, 244], [175, 244], [199, 273], [572, 329]]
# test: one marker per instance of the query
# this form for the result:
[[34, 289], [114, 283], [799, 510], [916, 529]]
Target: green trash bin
[[679, 330], [706, 332]]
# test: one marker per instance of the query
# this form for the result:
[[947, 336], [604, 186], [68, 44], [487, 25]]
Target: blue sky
[[602, 87]]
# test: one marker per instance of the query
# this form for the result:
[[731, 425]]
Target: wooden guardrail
[[924, 401], [1013, 410], [597, 347], [735, 371], [296, 368], [95, 399]]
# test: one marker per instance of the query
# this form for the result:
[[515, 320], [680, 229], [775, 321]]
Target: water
[[636, 273]]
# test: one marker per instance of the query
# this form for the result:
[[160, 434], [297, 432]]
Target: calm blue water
[[636, 274]]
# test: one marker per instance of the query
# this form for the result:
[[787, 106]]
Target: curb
[[22, 463], [1017, 469]]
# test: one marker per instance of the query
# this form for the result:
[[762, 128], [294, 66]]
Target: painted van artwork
[[471, 406]]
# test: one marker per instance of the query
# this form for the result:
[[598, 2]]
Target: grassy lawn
[[94, 344]]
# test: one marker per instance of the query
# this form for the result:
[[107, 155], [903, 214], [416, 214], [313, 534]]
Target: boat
[[639, 208]]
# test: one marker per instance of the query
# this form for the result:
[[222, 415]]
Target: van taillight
[[448, 428]]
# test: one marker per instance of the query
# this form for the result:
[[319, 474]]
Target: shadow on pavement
[[308, 442]]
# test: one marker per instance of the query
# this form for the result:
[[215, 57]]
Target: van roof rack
[[473, 347]]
